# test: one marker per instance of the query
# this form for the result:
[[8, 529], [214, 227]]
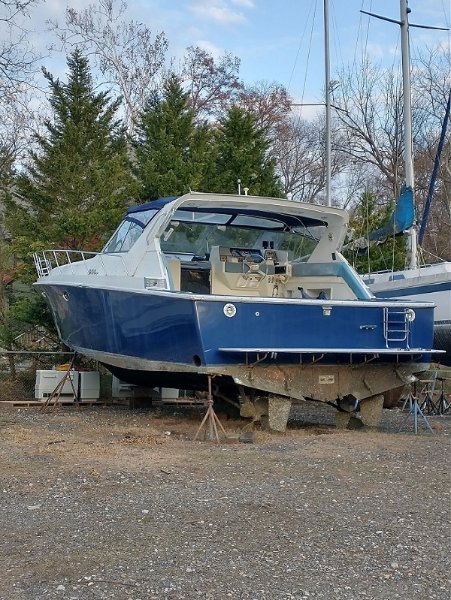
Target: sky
[[276, 40]]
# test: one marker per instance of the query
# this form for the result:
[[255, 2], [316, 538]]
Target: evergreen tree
[[6, 170], [172, 151], [76, 186], [242, 154], [368, 216], [10, 327]]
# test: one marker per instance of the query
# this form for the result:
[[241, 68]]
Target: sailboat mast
[[412, 245], [408, 191], [328, 168], [407, 95]]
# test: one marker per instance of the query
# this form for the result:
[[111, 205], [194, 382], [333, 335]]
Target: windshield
[[128, 231], [195, 232], [196, 239]]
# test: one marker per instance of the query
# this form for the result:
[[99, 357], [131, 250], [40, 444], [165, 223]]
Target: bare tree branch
[[268, 101], [369, 113], [17, 59], [10, 9], [18, 65], [127, 54], [213, 85], [299, 147]]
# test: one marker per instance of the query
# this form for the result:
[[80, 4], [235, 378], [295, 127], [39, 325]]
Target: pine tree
[[172, 151], [368, 216], [76, 186], [242, 154], [10, 326]]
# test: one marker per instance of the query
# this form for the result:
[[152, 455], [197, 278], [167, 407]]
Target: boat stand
[[443, 404], [415, 410], [210, 421], [428, 405]]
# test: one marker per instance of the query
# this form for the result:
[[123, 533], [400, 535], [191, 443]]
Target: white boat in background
[[430, 282]]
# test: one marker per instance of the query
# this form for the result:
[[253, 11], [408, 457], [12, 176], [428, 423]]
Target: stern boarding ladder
[[397, 325]]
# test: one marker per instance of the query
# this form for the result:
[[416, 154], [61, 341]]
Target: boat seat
[[335, 280]]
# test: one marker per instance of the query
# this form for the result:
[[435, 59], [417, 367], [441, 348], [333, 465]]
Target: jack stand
[[428, 406], [443, 404], [210, 420], [415, 410], [408, 400]]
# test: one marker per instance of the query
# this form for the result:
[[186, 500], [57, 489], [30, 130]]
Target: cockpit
[[240, 251]]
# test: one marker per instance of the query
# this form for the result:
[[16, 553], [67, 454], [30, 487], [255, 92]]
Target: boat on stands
[[249, 293]]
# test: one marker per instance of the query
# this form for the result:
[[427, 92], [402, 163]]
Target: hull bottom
[[265, 392], [312, 381]]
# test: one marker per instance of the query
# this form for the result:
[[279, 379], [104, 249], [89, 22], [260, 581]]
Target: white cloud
[[244, 3], [210, 48], [219, 11]]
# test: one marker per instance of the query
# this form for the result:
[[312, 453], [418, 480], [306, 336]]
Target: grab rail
[[46, 260]]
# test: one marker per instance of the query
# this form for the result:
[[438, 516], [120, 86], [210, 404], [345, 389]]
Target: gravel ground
[[120, 504]]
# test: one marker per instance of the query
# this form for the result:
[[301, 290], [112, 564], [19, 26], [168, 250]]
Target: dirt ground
[[108, 502]]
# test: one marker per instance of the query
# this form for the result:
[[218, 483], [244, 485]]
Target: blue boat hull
[[179, 329]]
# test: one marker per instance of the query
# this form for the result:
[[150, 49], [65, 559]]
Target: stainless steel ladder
[[397, 325]]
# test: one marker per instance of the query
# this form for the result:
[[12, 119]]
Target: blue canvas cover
[[402, 218]]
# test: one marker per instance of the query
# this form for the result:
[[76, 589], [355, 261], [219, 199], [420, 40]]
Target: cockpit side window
[[128, 231]]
